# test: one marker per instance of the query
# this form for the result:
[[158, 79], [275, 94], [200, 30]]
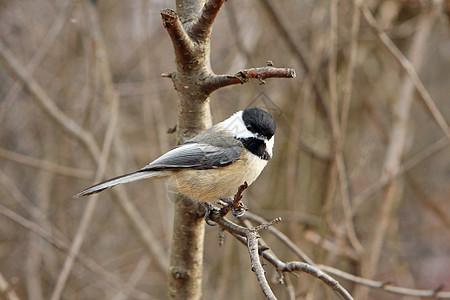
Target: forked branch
[[202, 28]]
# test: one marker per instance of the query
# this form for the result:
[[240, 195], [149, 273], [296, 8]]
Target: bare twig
[[61, 244], [303, 267], [405, 167], [253, 249], [397, 142], [338, 131], [435, 294], [45, 165], [408, 66], [282, 28], [215, 82], [252, 244], [281, 236], [7, 290], [112, 96], [67, 124], [39, 55]]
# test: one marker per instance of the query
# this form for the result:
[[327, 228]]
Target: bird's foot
[[209, 208], [237, 210]]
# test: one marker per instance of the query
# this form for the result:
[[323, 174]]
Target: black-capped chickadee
[[212, 165]]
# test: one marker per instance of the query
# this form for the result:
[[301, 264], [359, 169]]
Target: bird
[[212, 165]]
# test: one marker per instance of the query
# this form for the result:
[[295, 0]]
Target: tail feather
[[135, 176]]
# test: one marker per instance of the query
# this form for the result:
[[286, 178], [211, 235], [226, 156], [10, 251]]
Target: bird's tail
[[135, 176]]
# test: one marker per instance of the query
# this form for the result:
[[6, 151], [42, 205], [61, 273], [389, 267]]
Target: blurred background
[[361, 170]]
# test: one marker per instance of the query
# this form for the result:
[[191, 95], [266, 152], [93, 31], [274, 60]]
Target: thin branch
[[39, 55], [408, 66], [7, 290], [436, 293], [251, 241], [397, 141], [281, 236], [253, 249], [405, 167], [112, 96], [201, 29], [65, 123], [132, 214], [215, 82], [303, 267], [282, 28], [45, 165], [62, 245]]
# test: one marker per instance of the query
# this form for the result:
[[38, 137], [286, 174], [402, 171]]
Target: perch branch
[[303, 267], [202, 28], [242, 234], [253, 249], [215, 82]]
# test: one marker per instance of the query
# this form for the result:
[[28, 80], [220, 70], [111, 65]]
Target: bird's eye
[[249, 127]]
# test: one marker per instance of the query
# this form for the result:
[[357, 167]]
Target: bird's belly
[[212, 184]]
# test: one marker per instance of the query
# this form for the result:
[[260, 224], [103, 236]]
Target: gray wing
[[196, 156]]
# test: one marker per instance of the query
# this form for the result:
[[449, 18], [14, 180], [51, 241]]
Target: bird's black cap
[[259, 121]]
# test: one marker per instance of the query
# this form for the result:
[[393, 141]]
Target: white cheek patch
[[269, 146], [235, 125]]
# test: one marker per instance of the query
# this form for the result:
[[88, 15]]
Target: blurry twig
[[62, 244], [87, 140], [135, 277], [408, 65], [282, 28], [6, 290], [338, 168], [112, 96], [387, 287], [39, 55], [397, 142], [405, 167], [43, 99], [45, 165]]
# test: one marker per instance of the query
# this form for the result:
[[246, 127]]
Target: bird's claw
[[209, 208], [238, 211]]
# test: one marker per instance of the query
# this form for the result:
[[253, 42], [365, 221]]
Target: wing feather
[[196, 156]]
